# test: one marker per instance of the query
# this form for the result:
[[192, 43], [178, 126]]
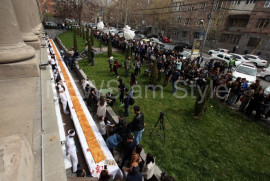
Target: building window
[[184, 34], [267, 4], [238, 22], [187, 22], [202, 8], [175, 33], [253, 42], [199, 22], [235, 2], [230, 38], [196, 35], [181, 4], [263, 23], [250, 1], [190, 8], [179, 19], [216, 6], [178, 6]]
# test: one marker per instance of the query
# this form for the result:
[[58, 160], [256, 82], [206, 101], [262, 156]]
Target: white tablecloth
[[93, 167]]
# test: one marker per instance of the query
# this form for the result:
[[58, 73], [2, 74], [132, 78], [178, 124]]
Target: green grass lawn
[[67, 40], [220, 145]]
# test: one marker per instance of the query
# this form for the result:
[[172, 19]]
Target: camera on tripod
[[160, 121], [162, 113]]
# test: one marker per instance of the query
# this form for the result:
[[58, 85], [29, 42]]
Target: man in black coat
[[137, 125], [199, 60]]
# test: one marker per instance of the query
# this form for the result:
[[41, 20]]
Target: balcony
[[245, 8]]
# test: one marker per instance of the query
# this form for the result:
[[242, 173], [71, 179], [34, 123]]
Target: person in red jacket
[[115, 67]]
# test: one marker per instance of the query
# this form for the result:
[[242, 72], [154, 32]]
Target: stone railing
[[111, 115]]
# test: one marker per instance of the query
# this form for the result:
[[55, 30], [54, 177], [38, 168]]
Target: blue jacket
[[112, 141]]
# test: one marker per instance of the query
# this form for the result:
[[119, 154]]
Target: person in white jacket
[[64, 100], [71, 150], [148, 167]]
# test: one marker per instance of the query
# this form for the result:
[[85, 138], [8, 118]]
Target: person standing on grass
[[121, 89], [127, 66], [137, 125], [92, 58], [111, 63], [126, 102], [115, 68], [175, 77], [132, 82]]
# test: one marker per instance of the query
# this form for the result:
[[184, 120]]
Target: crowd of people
[[173, 68]]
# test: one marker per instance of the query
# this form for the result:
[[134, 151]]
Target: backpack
[[131, 100]]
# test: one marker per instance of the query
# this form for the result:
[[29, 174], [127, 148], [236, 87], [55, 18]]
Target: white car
[[185, 55], [239, 57], [245, 70], [113, 32], [225, 57], [155, 40], [265, 73], [256, 60], [220, 50]]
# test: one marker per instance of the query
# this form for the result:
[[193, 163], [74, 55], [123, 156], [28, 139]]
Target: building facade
[[247, 27], [239, 23], [47, 6]]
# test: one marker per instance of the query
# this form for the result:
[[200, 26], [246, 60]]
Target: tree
[[75, 44], [87, 34], [92, 37], [110, 48], [89, 51], [202, 99], [128, 52], [153, 73], [83, 33], [80, 31]]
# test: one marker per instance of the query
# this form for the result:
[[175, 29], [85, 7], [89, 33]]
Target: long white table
[[95, 168]]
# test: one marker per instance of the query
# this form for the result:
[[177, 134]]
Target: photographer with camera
[[137, 125]]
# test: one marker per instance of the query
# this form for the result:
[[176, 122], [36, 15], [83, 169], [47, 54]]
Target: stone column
[[12, 47], [24, 23], [32, 15]]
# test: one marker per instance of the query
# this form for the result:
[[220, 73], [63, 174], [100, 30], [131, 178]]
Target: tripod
[[161, 126]]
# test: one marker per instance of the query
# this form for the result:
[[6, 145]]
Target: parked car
[[265, 73], [267, 91], [245, 70], [185, 55], [216, 51], [50, 25], [113, 32], [165, 39], [225, 57], [155, 40], [152, 36], [239, 57], [139, 36], [169, 47], [120, 35], [185, 44], [256, 60]]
